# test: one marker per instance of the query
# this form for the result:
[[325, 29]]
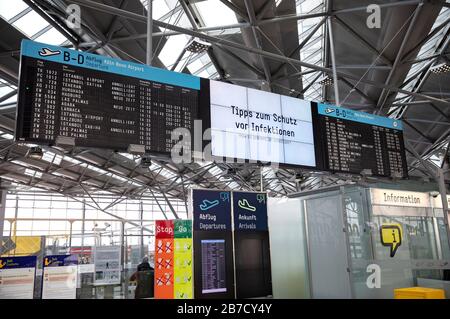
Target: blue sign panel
[[60, 260], [17, 262], [211, 210], [100, 63], [250, 211], [362, 117]]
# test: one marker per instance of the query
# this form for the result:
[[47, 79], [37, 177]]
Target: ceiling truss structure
[[381, 71]]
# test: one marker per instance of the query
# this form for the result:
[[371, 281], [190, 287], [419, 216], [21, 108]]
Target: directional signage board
[[213, 244], [250, 211], [60, 277], [17, 277], [251, 245]]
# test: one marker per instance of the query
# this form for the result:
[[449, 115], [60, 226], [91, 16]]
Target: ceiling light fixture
[[35, 152], [146, 161], [197, 46], [440, 68], [326, 80]]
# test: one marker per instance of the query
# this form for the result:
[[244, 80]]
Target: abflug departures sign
[[99, 101], [251, 245], [213, 247]]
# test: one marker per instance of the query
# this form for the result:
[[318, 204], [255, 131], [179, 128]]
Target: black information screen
[[213, 266], [348, 145], [99, 109]]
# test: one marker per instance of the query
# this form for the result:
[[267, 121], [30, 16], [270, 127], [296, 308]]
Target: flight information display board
[[99, 101], [82, 99], [352, 141]]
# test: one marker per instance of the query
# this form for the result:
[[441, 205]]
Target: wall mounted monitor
[[261, 126], [213, 266]]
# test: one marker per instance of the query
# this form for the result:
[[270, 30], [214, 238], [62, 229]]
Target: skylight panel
[[31, 23], [7, 136], [9, 9], [52, 36], [312, 52], [159, 8], [172, 49], [214, 13], [32, 173], [6, 90]]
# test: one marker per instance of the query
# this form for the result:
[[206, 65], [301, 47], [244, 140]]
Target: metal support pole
[[443, 191], [82, 225], [149, 32], [261, 179], [70, 234], [141, 216], [333, 62], [2, 213], [124, 277], [16, 212]]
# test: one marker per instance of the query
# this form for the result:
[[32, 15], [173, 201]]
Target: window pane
[[9, 9], [31, 23]]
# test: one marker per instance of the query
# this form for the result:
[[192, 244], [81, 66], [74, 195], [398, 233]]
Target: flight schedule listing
[[101, 102], [354, 141], [213, 266]]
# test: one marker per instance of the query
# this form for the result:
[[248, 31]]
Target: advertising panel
[[60, 277], [17, 277]]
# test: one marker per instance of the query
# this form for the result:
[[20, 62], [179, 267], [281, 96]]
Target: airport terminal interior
[[228, 149]]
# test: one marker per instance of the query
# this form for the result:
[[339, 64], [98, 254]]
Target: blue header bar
[[60, 260], [211, 210], [250, 211], [18, 262], [357, 116], [105, 64]]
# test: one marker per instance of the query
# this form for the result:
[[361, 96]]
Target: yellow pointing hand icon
[[391, 236]]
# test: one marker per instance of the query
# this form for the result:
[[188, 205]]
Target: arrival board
[[353, 141], [100, 101]]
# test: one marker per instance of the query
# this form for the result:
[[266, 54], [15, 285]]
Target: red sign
[[164, 229], [81, 250]]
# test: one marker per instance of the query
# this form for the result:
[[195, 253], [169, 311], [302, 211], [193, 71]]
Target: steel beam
[[333, 62], [253, 21], [362, 40], [149, 53], [412, 24]]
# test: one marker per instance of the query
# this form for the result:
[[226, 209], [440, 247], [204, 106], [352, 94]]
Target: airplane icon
[[328, 110], [244, 204], [48, 52], [206, 204]]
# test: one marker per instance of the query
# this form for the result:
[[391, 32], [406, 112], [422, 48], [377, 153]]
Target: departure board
[[101, 102], [213, 266], [353, 141]]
